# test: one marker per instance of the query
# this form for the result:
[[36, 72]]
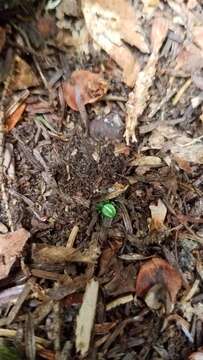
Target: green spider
[[108, 209]]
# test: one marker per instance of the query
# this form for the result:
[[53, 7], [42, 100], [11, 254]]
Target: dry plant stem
[[4, 195], [10, 333], [57, 329], [72, 236]]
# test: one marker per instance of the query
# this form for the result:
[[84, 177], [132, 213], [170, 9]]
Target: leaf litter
[[81, 82]]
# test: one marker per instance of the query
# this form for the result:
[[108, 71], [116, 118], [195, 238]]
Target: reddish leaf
[[13, 119], [85, 87], [11, 245], [158, 271]]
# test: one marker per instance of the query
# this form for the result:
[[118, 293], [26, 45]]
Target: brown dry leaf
[[198, 355], [139, 97], [84, 86], [11, 245], [158, 271], [111, 24], [2, 37], [24, 77], [158, 214], [151, 161], [50, 254], [13, 119], [85, 319]]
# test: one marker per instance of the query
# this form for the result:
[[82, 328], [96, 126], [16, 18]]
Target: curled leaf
[[158, 271], [84, 86]]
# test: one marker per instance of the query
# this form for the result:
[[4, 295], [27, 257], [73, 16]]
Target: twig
[[111, 97], [181, 91], [72, 236], [2, 119], [162, 103]]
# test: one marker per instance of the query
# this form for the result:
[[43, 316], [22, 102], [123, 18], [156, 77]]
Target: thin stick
[[2, 119], [72, 236]]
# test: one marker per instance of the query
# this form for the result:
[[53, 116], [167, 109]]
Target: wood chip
[[86, 317]]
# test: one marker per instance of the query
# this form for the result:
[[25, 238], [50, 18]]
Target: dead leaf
[[111, 24], [138, 98], [158, 214], [24, 77], [11, 245], [13, 119], [86, 317], [151, 161], [50, 254], [158, 271], [84, 86], [2, 37], [198, 355]]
